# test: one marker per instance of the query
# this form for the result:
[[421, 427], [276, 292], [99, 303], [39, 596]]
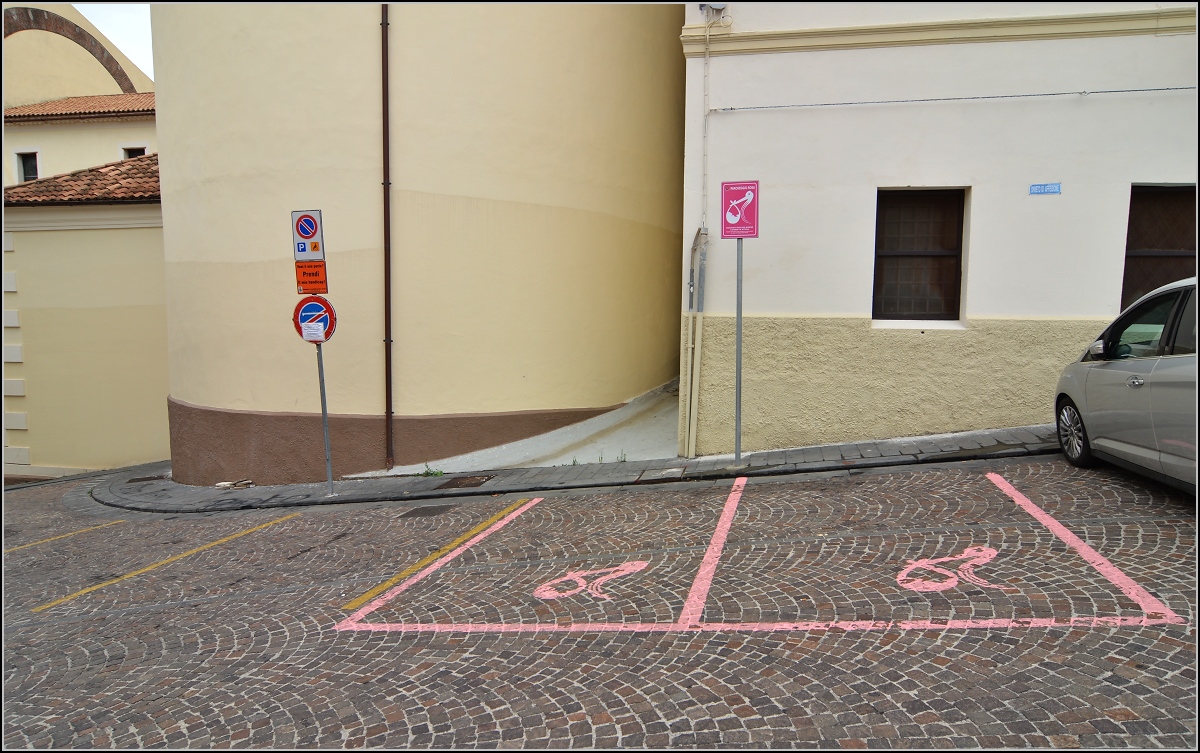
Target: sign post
[[739, 219], [308, 246], [315, 321]]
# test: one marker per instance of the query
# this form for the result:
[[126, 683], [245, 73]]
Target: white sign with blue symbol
[[308, 235], [1038, 189]]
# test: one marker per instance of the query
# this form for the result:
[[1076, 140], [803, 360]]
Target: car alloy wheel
[[1072, 437]]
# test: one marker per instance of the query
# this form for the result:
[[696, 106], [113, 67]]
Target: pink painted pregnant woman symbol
[[579, 578], [971, 557]]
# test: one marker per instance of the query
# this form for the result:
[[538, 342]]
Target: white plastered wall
[[67, 146], [820, 167], [1042, 274], [777, 16]]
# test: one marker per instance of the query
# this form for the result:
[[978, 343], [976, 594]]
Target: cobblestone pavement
[[917, 607]]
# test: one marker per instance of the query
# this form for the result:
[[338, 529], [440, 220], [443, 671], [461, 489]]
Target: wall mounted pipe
[[696, 333], [694, 389], [390, 456]]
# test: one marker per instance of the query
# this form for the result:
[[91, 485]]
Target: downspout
[[390, 457], [701, 242], [694, 385], [686, 370]]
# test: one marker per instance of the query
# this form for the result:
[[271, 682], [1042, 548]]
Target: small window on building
[[29, 166], [1160, 246], [918, 254], [134, 151]]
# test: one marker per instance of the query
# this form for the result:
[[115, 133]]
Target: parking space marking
[[693, 607], [1150, 605], [364, 598], [971, 557], [160, 563], [547, 590], [354, 621], [65, 535], [691, 616]]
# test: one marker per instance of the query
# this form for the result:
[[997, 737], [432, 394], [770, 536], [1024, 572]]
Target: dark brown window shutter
[[918, 254], [1160, 246]]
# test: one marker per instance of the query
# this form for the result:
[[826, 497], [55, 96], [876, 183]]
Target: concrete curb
[[130, 489]]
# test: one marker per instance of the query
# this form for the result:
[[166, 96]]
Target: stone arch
[[36, 19]]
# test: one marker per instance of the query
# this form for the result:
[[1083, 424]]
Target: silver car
[[1131, 398]]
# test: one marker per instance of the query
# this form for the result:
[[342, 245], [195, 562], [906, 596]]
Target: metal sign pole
[[325, 420], [737, 403], [739, 220]]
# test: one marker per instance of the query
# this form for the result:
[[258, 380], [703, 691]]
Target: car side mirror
[[1096, 349]]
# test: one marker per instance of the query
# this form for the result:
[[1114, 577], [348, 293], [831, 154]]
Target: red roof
[[130, 181], [84, 108]]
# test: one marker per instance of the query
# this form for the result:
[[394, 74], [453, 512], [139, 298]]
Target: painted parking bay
[[611, 562], [893, 558]]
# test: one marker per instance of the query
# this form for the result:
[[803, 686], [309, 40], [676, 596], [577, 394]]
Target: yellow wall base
[[812, 381]]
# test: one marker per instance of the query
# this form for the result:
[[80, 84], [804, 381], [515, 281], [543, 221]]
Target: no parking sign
[[315, 319], [308, 236], [308, 246]]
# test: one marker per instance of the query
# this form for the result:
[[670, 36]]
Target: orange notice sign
[[310, 277]]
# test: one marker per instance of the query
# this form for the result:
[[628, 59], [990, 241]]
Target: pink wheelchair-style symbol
[[971, 557], [548, 589]]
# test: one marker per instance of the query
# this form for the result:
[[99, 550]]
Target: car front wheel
[[1071, 435]]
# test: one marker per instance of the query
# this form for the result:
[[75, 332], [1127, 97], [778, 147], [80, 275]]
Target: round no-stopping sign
[[315, 319], [306, 226]]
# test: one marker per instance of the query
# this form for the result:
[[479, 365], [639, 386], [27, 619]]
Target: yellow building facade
[[85, 369], [85, 381], [51, 52], [535, 157]]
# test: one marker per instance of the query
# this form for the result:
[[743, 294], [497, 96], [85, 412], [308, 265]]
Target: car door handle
[[1135, 381]]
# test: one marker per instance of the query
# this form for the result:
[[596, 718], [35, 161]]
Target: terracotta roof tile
[[130, 181], [73, 108]]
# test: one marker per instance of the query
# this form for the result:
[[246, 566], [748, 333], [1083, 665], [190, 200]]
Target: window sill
[[921, 324]]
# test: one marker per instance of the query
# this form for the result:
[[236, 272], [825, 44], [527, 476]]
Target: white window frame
[[18, 171], [121, 147], [964, 255]]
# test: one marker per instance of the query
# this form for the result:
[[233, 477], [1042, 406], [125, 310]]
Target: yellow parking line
[[431, 558], [65, 535], [160, 563]]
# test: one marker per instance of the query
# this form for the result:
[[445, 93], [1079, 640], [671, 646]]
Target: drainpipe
[[694, 385], [390, 457], [701, 242], [686, 370]]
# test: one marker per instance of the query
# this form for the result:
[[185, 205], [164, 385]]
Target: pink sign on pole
[[739, 209]]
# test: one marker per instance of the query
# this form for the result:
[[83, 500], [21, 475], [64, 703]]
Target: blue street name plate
[[1043, 188]]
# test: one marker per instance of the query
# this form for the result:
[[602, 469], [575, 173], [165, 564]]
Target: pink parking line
[[693, 607], [354, 621], [1150, 605], [763, 627], [1155, 612]]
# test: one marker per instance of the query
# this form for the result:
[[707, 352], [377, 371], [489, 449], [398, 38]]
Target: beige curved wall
[[536, 157], [40, 66]]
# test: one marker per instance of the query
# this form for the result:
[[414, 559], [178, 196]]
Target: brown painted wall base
[[212, 444]]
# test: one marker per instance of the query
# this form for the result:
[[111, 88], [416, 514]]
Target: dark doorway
[[1160, 246]]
